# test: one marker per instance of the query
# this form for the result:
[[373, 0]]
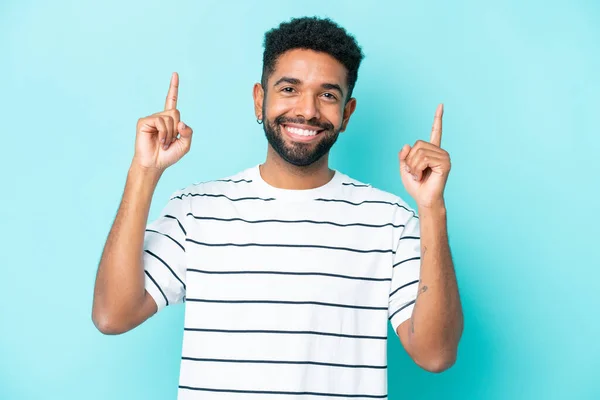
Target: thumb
[[402, 157], [403, 154], [185, 131]]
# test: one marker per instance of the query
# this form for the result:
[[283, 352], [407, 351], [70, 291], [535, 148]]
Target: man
[[289, 270]]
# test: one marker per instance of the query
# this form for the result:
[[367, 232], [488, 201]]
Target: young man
[[290, 270]]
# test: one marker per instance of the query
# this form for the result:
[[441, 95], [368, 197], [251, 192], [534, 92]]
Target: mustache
[[311, 122]]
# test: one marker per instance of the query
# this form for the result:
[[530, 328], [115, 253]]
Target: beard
[[298, 153]]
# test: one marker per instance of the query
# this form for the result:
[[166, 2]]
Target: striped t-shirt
[[287, 293]]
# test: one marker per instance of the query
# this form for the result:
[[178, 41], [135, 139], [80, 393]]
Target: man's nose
[[307, 107]]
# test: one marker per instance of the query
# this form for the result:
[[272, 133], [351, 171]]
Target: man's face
[[304, 107]]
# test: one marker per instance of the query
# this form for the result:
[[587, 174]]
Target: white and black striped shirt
[[288, 292]]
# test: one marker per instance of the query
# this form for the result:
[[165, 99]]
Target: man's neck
[[283, 175]]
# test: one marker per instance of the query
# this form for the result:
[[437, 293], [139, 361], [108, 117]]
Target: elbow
[[438, 363], [107, 323]]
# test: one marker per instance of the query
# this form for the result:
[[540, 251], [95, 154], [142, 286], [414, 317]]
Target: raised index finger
[[436, 130], [171, 102]]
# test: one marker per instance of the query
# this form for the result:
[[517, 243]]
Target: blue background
[[520, 85]]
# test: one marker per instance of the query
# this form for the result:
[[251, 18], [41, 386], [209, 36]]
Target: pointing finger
[[171, 102], [436, 130]]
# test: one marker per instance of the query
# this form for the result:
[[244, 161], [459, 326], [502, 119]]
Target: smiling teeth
[[301, 132]]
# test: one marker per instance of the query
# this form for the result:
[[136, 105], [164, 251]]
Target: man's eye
[[287, 89], [330, 96]]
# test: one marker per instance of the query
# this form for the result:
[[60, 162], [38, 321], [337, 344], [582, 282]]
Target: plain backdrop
[[520, 86]]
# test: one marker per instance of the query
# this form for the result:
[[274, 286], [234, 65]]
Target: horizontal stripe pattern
[[280, 332], [218, 195], [257, 345], [369, 202], [288, 302], [266, 221], [274, 316], [292, 245], [284, 297], [273, 392], [283, 378], [292, 286], [355, 184], [242, 361], [360, 278]]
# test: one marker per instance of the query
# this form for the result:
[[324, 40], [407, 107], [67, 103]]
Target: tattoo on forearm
[[412, 321]]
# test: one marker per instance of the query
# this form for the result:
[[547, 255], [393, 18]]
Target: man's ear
[[259, 96], [348, 110]]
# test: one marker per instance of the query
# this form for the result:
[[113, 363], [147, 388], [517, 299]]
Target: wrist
[[147, 175], [435, 207]]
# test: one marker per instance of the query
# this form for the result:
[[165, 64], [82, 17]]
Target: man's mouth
[[301, 133]]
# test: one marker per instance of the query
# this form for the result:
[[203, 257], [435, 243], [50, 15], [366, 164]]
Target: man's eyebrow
[[287, 79], [333, 86], [296, 81]]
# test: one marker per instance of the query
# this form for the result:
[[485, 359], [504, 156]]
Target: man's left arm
[[432, 333]]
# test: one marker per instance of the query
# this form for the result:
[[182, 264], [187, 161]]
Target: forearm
[[437, 321], [119, 285]]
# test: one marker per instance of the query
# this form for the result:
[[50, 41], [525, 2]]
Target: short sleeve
[[164, 253], [405, 272]]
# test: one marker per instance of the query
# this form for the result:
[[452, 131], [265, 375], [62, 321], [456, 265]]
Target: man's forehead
[[309, 66]]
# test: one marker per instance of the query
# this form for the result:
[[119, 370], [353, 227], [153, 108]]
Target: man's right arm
[[120, 300]]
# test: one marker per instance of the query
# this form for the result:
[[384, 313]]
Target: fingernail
[[414, 177], [162, 140], [182, 125]]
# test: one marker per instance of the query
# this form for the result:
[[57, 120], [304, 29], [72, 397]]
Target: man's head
[[310, 67]]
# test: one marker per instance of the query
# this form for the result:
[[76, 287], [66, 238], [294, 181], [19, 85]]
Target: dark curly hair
[[318, 34]]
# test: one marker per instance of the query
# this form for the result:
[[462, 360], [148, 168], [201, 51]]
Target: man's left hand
[[424, 168]]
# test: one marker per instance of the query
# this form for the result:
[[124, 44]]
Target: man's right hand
[[156, 144]]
